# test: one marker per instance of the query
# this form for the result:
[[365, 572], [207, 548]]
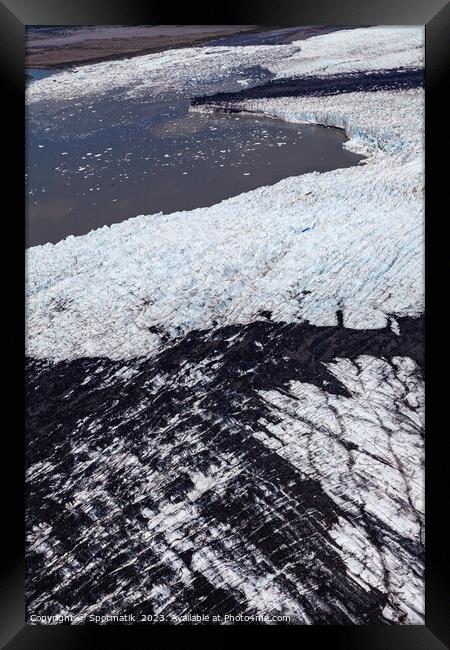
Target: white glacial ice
[[351, 237], [367, 454], [371, 48], [303, 248]]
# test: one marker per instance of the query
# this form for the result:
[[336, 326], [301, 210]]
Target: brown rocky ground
[[78, 45]]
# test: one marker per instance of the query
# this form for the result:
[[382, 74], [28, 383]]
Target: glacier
[[225, 406]]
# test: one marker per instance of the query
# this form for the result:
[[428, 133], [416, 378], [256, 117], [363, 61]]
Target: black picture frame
[[14, 15]]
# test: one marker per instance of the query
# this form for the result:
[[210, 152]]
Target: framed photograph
[[224, 380]]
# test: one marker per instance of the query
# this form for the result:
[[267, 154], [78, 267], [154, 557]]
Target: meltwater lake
[[98, 161]]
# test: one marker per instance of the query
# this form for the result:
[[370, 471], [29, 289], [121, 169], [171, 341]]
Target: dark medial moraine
[[111, 445], [316, 86]]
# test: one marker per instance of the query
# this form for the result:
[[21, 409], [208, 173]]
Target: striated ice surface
[[300, 248], [225, 406], [264, 469]]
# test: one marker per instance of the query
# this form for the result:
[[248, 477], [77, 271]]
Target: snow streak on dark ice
[[150, 488]]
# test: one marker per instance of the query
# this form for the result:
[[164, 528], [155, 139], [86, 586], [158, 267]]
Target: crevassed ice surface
[[246, 376]]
